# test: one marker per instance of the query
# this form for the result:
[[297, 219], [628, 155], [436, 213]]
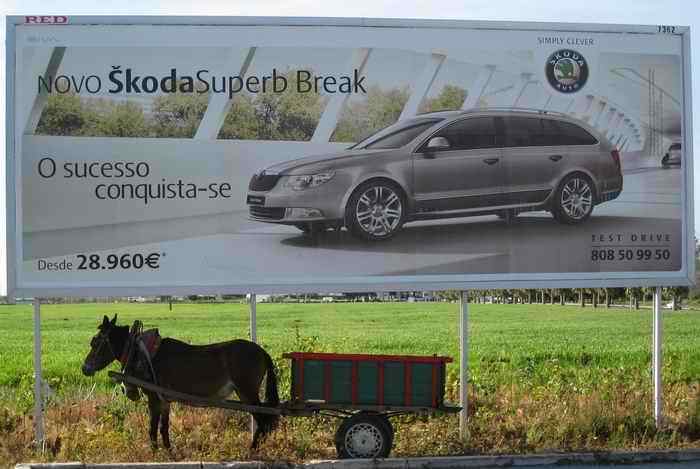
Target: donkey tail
[[271, 394], [267, 423]]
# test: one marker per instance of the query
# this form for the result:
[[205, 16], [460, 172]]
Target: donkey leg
[[165, 424], [262, 428], [248, 395], [154, 410]]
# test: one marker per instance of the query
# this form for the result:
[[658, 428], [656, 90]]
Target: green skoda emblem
[[566, 70]]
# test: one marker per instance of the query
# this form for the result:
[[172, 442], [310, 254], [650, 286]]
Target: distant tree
[[119, 120], [451, 97], [64, 114], [178, 115], [69, 115], [241, 121], [286, 115], [634, 295], [448, 295], [363, 117], [676, 294]]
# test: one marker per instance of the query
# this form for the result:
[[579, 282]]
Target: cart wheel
[[389, 428], [363, 436]]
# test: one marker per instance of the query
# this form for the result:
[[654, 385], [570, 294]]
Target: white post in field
[[657, 359], [463, 361], [253, 338], [38, 380]]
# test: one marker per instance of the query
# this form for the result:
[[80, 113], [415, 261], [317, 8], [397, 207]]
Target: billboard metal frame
[[686, 276]]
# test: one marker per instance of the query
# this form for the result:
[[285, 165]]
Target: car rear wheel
[[376, 210], [574, 200]]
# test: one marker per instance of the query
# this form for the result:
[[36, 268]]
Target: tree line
[[287, 115], [583, 296]]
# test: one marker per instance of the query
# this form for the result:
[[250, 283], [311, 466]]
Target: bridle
[[104, 339]]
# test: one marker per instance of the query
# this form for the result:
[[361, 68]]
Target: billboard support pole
[[253, 338], [657, 362], [38, 380], [463, 360]]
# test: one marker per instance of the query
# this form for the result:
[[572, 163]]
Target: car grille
[[263, 182], [270, 213]]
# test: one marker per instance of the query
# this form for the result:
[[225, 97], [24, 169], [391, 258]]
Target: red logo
[[45, 19]]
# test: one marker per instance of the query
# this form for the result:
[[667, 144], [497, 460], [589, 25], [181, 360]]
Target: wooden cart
[[364, 391]]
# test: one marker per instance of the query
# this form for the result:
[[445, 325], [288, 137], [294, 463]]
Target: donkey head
[[102, 351]]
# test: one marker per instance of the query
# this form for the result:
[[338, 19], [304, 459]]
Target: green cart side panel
[[393, 383], [341, 382], [422, 384], [367, 382], [313, 380]]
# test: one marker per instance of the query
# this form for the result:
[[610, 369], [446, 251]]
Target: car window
[[675, 146], [400, 137], [469, 134], [392, 129], [519, 130], [572, 134], [524, 131]]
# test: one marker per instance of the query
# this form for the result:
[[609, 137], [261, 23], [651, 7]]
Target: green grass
[[528, 342], [542, 376]]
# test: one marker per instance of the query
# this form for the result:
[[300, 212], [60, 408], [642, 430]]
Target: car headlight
[[308, 181]]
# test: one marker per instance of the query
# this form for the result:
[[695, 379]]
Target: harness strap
[[147, 354], [135, 344]]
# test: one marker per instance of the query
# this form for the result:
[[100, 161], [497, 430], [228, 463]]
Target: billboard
[[174, 155]]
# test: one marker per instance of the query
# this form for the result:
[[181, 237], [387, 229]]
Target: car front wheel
[[375, 211], [574, 200]]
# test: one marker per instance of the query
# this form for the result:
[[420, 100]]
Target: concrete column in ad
[[329, 118], [478, 88], [422, 85], [219, 105]]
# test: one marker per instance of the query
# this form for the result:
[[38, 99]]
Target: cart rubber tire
[[363, 436], [389, 428]]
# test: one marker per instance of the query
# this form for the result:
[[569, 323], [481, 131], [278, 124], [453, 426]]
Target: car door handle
[[555, 157], [491, 161]]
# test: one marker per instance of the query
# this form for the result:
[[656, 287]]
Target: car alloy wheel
[[376, 211], [574, 199]]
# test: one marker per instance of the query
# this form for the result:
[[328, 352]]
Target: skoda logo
[[566, 70]]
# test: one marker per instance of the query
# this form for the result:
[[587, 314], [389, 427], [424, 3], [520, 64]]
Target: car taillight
[[616, 158]]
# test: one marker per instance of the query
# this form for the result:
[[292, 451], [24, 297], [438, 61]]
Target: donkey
[[210, 371]]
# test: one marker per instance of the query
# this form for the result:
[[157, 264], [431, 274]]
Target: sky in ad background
[[678, 12]]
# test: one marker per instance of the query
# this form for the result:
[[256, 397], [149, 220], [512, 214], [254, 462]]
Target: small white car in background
[[673, 156]]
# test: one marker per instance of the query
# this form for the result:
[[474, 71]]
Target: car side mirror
[[437, 144]]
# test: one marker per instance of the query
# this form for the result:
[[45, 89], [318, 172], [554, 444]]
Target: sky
[[654, 12]]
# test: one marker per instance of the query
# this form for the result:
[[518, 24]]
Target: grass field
[[543, 377]]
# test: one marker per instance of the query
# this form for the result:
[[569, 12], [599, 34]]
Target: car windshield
[[396, 135]]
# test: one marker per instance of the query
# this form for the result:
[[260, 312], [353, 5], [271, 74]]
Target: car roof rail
[[532, 110]]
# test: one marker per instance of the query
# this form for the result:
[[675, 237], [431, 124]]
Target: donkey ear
[[105, 320], [114, 319]]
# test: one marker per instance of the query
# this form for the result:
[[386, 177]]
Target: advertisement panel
[[168, 155]]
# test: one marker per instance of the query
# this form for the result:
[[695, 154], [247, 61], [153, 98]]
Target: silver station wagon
[[443, 165]]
